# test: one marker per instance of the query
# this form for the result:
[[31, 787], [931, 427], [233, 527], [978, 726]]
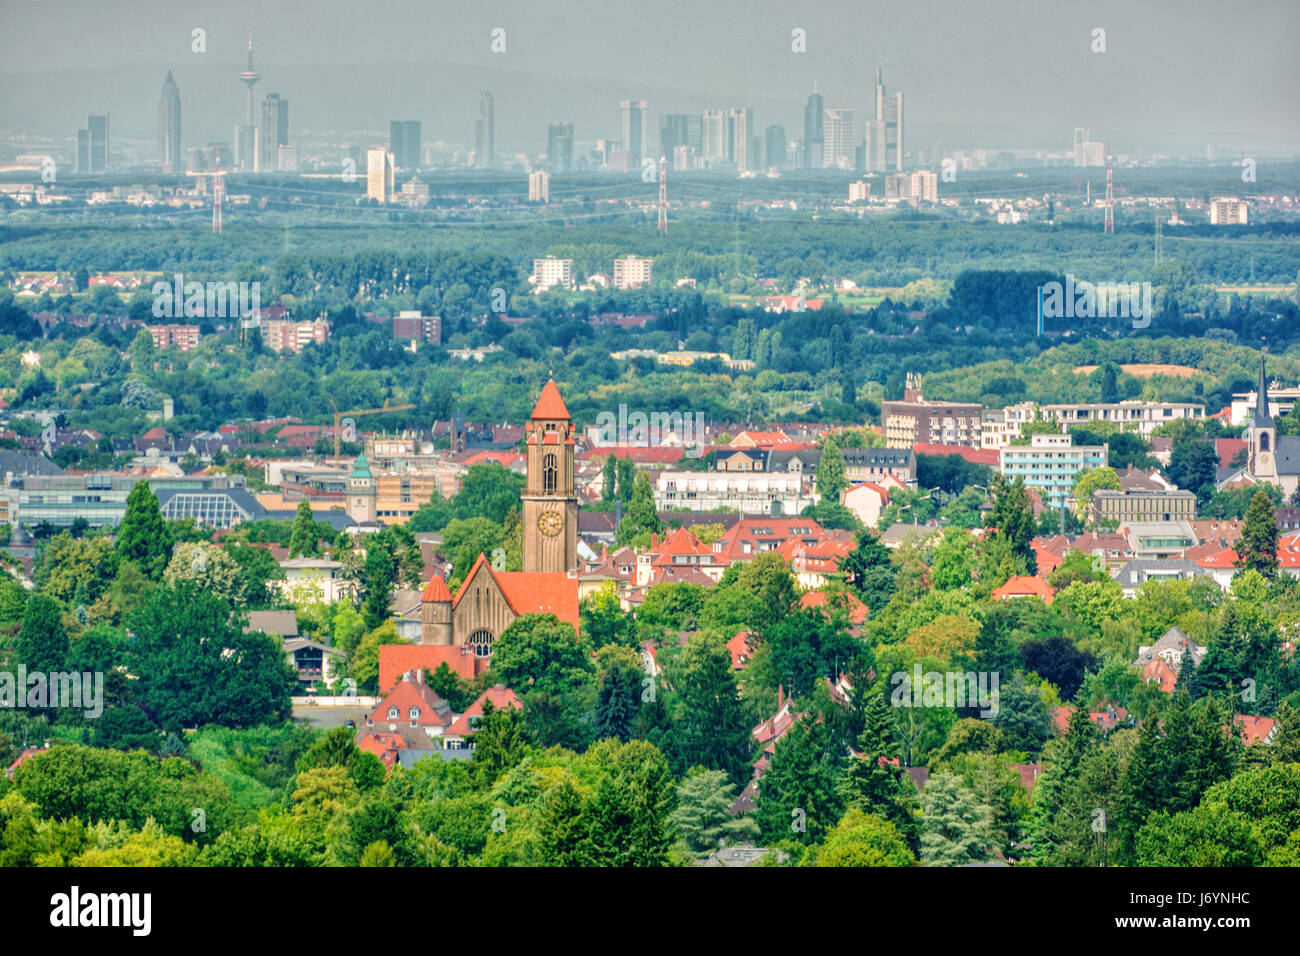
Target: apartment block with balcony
[[1050, 464], [1131, 416]]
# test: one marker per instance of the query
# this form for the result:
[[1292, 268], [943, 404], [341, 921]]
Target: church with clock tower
[[461, 629], [550, 504]]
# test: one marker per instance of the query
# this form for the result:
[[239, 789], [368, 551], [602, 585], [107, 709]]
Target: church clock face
[[550, 524], [1264, 459]]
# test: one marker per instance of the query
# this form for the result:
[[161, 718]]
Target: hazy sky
[[1171, 66]]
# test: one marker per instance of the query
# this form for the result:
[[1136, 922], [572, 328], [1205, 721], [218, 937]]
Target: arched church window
[[550, 475], [481, 641], [1263, 441]]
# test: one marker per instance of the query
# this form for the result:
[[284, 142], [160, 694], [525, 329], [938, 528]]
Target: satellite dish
[[392, 727]]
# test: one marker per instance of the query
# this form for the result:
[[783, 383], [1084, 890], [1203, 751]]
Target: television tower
[[663, 191], [1109, 227], [249, 78]]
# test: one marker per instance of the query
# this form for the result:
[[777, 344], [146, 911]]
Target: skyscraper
[[775, 146], [379, 174], [169, 127], [838, 149], [713, 135], [740, 127], [92, 145], [404, 143], [674, 131], [485, 131], [274, 132], [813, 136], [884, 146], [559, 147], [246, 134], [634, 129]]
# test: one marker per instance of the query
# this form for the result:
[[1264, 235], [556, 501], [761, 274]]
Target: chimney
[[780, 697]]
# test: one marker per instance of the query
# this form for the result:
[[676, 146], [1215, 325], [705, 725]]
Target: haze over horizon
[[1008, 74]]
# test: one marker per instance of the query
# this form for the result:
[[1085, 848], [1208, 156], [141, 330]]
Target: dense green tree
[[42, 640], [143, 537], [710, 729], [703, 817], [957, 827], [799, 796], [869, 570], [302, 541], [831, 477], [1258, 546]]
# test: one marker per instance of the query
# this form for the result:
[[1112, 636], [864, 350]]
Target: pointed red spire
[[436, 590], [550, 406]]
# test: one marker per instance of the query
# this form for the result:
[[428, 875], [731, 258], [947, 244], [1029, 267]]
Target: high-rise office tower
[[813, 135], [274, 132], [379, 174], [740, 126], [559, 147], [838, 150], [83, 151], [169, 127], [246, 134], [633, 128], [713, 135], [674, 131], [97, 128], [485, 132], [884, 146], [404, 143], [774, 147]]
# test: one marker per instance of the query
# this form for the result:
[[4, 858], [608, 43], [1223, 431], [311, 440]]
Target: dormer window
[[393, 713], [415, 715]]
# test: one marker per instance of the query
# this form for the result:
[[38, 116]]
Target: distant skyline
[[1180, 73]]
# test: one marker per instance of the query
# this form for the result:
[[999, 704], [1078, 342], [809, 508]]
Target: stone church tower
[[550, 505], [362, 491], [1261, 434]]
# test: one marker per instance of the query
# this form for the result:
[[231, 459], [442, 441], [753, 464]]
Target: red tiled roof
[[740, 649], [436, 590], [1254, 730], [1158, 670], [1025, 586], [1227, 449], [857, 610], [530, 592], [665, 456], [501, 698], [977, 456], [410, 694], [503, 458], [396, 659], [550, 405]]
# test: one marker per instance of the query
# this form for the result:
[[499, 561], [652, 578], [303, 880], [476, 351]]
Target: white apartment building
[[1000, 425], [539, 186], [771, 494], [551, 272], [1050, 464], [859, 191], [923, 186], [631, 272], [1228, 211], [379, 174], [1131, 415]]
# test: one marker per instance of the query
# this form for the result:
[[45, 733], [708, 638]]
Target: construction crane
[[338, 417]]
